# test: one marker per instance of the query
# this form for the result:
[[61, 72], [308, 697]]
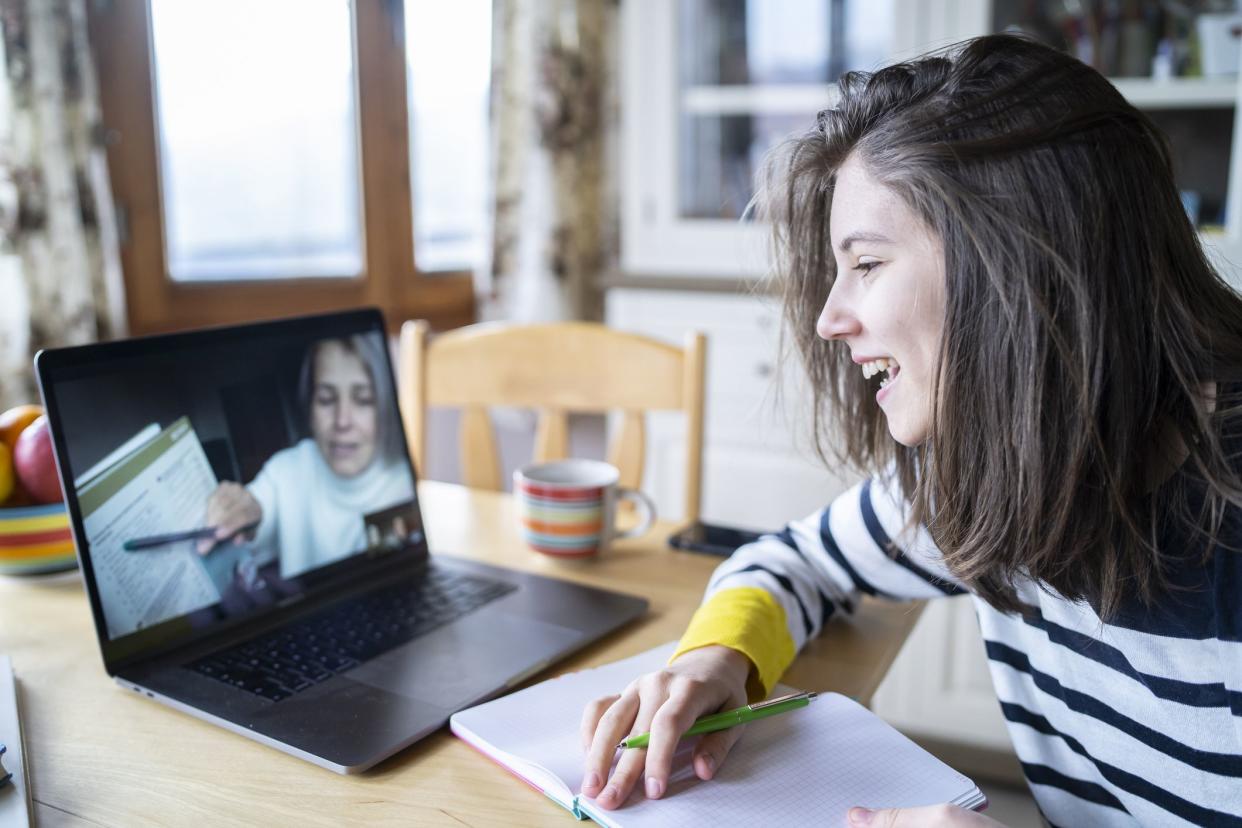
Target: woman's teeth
[[876, 366]]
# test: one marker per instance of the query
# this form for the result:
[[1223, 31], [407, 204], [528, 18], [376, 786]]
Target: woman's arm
[[761, 606], [772, 596]]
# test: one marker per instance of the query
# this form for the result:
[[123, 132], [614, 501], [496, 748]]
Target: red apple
[[35, 463]]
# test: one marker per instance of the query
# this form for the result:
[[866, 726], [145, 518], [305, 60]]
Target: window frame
[[121, 39]]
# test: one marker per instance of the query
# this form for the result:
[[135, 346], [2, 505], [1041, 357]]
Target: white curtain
[[60, 274], [554, 138]]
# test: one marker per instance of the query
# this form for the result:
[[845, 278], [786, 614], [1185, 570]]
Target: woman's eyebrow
[[844, 246]]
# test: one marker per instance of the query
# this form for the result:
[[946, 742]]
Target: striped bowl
[[36, 540]]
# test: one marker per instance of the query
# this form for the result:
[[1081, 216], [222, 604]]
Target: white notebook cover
[[810, 764]]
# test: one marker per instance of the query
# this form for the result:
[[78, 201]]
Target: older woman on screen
[[307, 502]]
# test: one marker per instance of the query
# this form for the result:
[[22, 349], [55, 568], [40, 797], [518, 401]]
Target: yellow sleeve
[[751, 621]]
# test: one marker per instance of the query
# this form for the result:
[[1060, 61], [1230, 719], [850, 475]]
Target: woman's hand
[[664, 703], [230, 509], [929, 816]]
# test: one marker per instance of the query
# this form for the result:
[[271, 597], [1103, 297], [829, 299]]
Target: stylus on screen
[[151, 541]]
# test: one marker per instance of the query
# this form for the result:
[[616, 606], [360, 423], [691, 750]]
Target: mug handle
[[645, 507]]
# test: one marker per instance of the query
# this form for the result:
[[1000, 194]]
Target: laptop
[[247, 521]]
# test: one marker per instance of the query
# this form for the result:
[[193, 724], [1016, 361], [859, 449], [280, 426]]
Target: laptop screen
[[219, 474]]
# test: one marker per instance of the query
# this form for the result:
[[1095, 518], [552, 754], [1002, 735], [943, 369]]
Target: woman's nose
[[837, 320], [344, 416]]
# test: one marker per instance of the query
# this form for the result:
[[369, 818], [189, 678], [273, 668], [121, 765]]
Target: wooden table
[[100, 755]]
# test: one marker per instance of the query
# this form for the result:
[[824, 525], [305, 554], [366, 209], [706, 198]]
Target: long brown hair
[[1082, 318]]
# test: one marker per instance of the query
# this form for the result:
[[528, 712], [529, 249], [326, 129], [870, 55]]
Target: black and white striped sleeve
[[819, 566]]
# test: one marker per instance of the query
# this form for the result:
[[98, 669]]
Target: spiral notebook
[[814, 763]]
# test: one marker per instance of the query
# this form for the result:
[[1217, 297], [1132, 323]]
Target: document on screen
[[160, 489]]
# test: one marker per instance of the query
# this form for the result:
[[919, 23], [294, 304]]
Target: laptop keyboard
[[305, 653]]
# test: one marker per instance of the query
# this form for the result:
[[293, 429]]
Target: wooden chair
[[558, 369]]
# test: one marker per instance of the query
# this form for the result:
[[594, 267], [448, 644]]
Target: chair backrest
[[558, 369]]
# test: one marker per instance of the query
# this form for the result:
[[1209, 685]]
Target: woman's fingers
[[230, 508], [712, 749], [625, 776], [613, 726], [710, 752], [237, 510], [591, 716], [217, 505], [652, 694], [667, 726]]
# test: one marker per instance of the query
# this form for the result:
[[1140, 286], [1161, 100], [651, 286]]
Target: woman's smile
[[885, 367]]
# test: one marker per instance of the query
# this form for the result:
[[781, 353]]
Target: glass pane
[[448, 58], [729, 42], [720, 156], [752, 72], [258, 131]]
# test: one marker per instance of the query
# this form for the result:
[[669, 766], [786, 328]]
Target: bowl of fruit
[[34, 527]]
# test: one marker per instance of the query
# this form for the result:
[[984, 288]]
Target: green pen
[[732, 718]]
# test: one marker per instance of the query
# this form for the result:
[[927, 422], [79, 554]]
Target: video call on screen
[[211, 481]]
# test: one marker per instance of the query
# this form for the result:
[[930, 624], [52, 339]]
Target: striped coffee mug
[[568, 508]]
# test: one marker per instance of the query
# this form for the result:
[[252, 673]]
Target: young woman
[[1010, 324]]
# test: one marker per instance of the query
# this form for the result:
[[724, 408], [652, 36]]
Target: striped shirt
[[1133, 722]]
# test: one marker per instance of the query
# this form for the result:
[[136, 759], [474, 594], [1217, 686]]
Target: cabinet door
[[940, 685], [759, 469]]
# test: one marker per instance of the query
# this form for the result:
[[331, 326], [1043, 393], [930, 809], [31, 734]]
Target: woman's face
[[887, 304], [343, 420]]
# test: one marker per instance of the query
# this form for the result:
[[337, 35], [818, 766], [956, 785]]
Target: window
[[449, 50], [262, 159], [257, 147]]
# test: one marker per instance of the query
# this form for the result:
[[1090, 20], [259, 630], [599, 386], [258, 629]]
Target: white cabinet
[[709, 87], [758, 467], [940, 686]]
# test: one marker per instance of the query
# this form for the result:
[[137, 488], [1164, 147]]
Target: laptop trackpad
[[468, 659]]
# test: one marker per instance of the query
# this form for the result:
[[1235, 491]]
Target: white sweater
[[311, 515], [1133, 722]]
